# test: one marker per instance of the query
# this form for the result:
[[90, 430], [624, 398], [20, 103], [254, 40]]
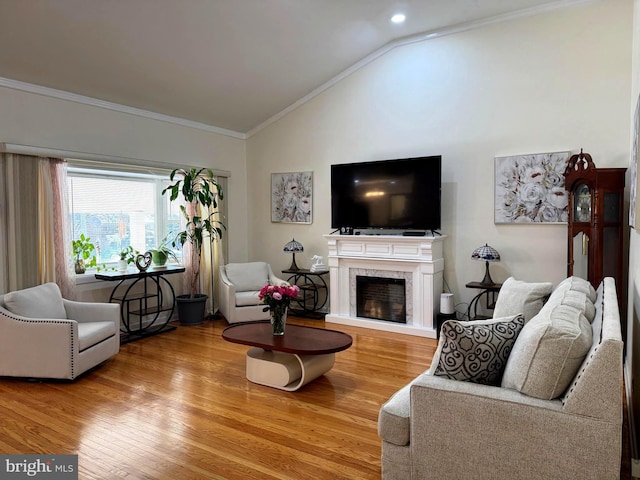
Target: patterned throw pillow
[[476, 351]]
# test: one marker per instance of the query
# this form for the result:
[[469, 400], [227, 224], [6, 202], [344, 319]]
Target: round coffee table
[[288, 361]]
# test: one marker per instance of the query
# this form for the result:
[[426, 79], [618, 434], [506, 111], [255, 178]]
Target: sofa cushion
[[476, 351], [42, 301], [92, 333], [548, 353], [517, 296], [579, 285], [580, 301], [393, 418], [247, 299], [248, 276]]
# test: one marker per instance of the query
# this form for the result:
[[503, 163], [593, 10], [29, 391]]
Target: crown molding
[[94, 102], [420, 37]]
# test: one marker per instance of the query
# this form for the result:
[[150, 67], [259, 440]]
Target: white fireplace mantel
[[419, 259]]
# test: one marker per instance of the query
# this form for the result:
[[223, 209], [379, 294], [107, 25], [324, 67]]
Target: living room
[[559, 80]]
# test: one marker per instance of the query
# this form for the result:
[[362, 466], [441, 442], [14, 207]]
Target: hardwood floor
[[178, 406]]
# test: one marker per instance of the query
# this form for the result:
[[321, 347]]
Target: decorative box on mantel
[[411, 266]]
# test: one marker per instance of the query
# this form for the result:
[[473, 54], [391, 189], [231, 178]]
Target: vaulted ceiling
[[229, 64]]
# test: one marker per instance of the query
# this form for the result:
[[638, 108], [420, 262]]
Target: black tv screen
[[399, 194]]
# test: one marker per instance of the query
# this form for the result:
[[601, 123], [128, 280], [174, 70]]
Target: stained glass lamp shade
[[486, 254], [293, 247]]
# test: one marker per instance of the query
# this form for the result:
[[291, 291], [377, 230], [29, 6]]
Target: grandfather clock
[[595, 233]]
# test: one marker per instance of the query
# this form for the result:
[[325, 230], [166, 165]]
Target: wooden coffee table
[[288, 361]]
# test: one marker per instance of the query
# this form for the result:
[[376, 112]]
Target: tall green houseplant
[[199, 192]]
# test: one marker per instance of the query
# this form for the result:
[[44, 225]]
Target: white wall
[[553, 82], [36, 120]]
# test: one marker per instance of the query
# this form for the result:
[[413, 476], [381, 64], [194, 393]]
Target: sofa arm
[[92, 311], [464, 430], [39, 348]]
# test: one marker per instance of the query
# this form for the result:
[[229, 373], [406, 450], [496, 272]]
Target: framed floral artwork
[[531, 188], [291, 197]]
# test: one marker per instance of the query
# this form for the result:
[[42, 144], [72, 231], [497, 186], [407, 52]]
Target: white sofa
[[555, 413], [43, 335], [239, 287]]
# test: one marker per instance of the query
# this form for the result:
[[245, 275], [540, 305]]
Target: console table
[[149, 301], [313, 292], [489, 292]]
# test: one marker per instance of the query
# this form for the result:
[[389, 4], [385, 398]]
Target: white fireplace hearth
[[417, 260]]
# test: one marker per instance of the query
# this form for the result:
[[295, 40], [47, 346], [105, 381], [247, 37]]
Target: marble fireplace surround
[[418, 260]]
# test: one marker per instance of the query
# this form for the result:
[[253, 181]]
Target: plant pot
[[122, 265], [79, 266], [191, 310], [158, 258]]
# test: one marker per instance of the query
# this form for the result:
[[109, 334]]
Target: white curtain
[[31, 212], [211, 259], [54, 253]]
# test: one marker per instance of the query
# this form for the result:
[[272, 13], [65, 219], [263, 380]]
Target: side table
[[313, 292], [490, 293], [150, 301]]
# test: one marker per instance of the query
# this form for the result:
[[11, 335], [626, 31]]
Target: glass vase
[[278, 320]]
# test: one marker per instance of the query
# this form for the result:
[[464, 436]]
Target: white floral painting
[[531, 188], [291, 196]]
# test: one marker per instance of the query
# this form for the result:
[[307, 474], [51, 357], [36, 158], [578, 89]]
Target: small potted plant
[[82, 249], [200, 191], [162, 253], [127, 256]]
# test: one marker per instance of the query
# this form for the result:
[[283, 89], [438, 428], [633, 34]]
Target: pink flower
[[277, 296]]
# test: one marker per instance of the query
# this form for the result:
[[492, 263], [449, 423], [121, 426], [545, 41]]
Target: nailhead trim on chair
[[61, 322]]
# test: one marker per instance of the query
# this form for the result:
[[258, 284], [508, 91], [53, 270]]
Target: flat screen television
[[401, 194]]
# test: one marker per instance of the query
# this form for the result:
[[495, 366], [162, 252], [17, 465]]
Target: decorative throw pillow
[[548, 353], [476, 351], [521, 297]]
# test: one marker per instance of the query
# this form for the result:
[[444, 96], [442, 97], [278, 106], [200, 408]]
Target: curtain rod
[[52, 152]]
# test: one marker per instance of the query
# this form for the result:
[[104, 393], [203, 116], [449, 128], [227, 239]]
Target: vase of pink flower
[[277, 299]]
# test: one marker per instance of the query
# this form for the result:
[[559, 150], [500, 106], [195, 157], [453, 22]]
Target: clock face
[[582, 204]]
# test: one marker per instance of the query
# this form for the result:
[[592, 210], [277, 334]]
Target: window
[[118, 209]]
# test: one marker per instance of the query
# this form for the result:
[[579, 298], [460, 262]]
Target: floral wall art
[[291, 195], [531, 188]]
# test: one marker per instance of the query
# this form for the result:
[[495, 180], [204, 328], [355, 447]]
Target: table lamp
[[486, 254], [293, 247]]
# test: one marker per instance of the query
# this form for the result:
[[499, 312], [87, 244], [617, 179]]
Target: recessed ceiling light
[[398, 18]]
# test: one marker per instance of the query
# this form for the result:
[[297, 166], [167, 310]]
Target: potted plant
[[162, 253], [127, 256], [199, 191], [82, 249]]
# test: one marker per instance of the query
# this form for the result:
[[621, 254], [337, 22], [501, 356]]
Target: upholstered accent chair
[[239, 288], [43, 335]]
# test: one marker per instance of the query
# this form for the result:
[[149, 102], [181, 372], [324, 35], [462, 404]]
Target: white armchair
[[43, 335], [239, 288]]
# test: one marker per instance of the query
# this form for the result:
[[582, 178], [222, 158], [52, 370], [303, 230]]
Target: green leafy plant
[[82, 250], [200, 189], [162, 253], [129, 254]]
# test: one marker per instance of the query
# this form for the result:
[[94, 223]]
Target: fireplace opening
[[381, 298]]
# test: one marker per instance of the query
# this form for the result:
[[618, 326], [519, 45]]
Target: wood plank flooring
[[178, 406]]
